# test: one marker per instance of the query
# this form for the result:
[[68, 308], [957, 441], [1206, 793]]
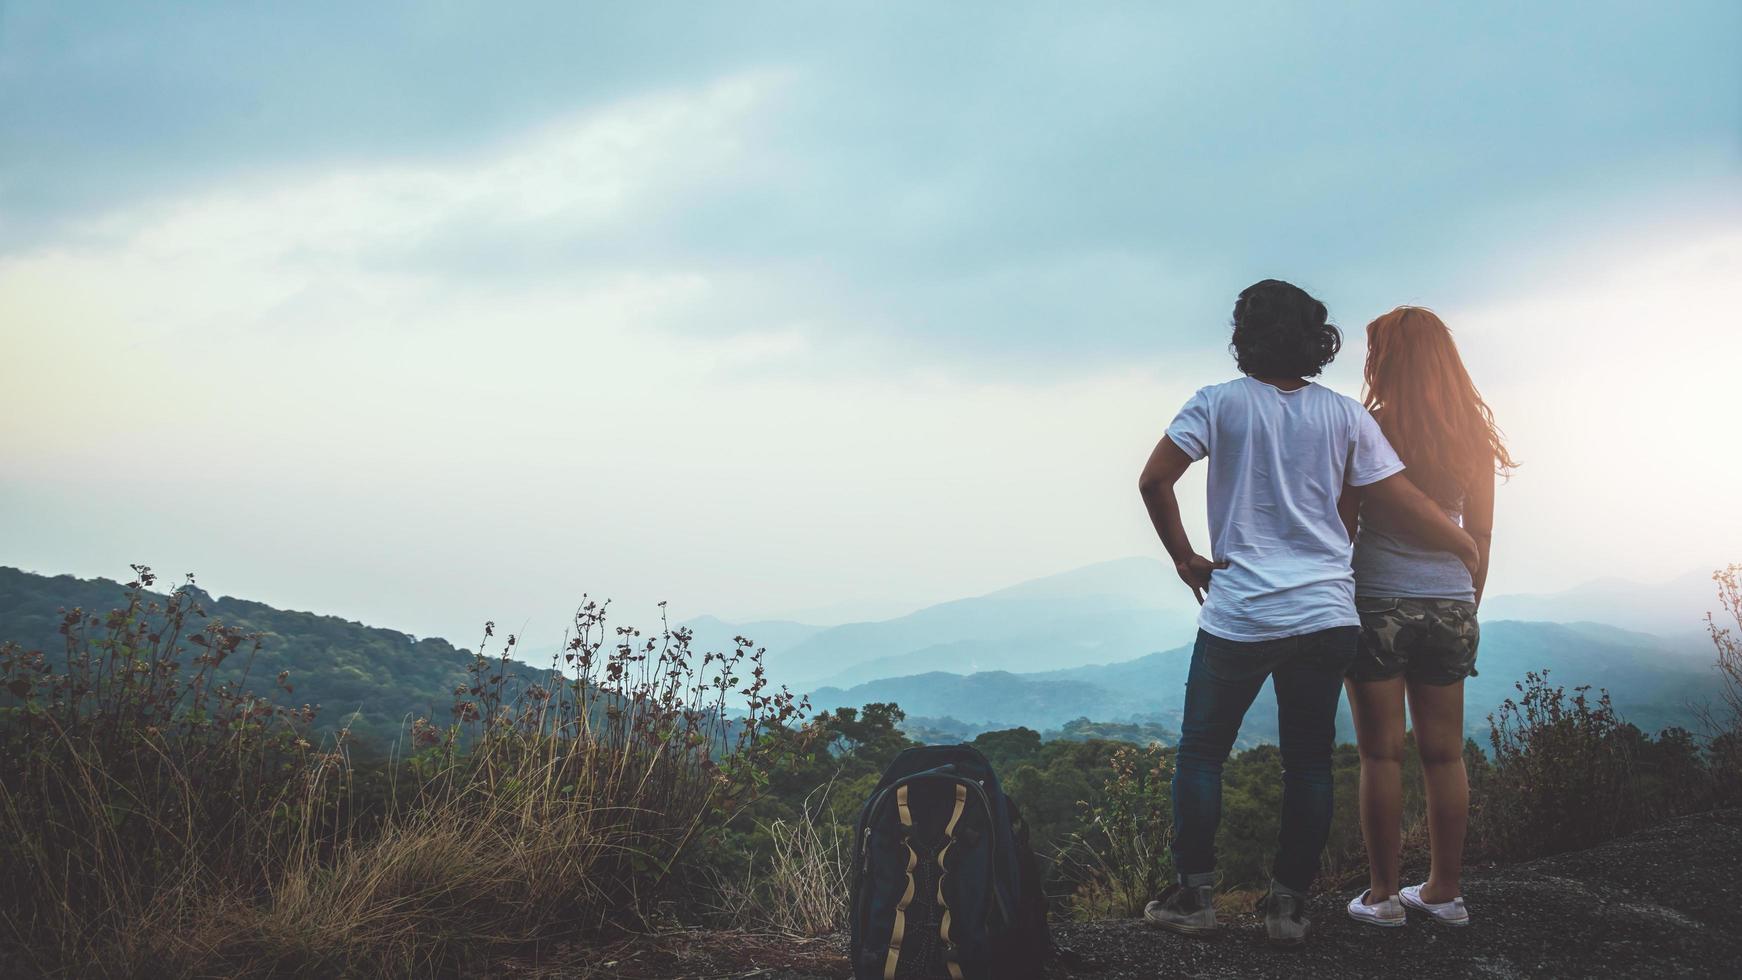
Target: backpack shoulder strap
[[906, 816], [944, 872]]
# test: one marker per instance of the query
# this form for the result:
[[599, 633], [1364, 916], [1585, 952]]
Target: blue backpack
[[945, 884]]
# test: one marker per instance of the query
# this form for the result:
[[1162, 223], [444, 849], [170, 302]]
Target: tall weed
[[1724, 725], [1122, 859]]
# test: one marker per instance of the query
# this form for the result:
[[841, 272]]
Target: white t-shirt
[[1278, 463]]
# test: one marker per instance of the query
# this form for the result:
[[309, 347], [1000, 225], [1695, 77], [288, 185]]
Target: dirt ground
[[1666, 902]]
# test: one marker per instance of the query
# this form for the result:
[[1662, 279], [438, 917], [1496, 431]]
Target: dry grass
[[1237, 902], [166, 824], [802, 891]]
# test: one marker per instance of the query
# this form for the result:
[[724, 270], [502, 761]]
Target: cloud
[[1011, 187], [588, 175]]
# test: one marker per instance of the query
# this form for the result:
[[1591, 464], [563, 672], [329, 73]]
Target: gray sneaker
[[1186, 907], [1285, 921]]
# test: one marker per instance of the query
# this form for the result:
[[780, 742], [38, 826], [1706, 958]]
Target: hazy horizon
[[454, 315], [1689, 587]]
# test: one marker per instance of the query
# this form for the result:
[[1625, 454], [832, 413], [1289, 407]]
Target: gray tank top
[[1388, 565]]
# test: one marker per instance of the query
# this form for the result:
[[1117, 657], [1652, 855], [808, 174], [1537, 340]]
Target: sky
[[426, 314]]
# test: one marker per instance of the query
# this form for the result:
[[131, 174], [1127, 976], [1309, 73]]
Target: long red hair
[[1427, 406]]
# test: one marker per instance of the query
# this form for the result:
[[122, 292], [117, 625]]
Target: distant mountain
[[772, 634], [853, 609], [1118, 611], [1110, 611], [1025, 643], [945, 731], [1144, 582], [1655, 678], [1672, 608], [999, 699], [1654, 682]]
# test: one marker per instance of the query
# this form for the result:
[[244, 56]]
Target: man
[[1279, 597]]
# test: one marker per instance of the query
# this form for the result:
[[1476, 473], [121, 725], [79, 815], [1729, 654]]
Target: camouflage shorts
[[1431, 641]]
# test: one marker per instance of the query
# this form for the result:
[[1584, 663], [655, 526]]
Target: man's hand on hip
[[1195, 572]]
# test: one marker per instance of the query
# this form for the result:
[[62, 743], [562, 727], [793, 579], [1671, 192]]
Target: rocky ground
[[1666, 902]]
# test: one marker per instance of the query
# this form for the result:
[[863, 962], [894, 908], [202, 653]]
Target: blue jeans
[[1225, 677]]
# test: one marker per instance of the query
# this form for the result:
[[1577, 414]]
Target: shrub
[[1568, 773]]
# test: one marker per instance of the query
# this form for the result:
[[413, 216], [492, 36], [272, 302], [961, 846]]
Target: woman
[[1418, 609]]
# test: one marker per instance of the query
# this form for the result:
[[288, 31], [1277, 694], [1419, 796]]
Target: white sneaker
[[1452, 913], [1388, 913]]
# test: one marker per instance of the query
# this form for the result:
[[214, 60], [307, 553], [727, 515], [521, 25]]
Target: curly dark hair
[[1281, 332]]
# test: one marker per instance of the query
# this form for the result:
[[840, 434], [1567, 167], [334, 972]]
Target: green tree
[[1010, 748]]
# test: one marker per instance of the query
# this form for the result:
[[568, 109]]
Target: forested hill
[[369, 678]]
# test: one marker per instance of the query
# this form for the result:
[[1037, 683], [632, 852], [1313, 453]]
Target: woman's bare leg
[[1438, 713], [1378, 710]]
